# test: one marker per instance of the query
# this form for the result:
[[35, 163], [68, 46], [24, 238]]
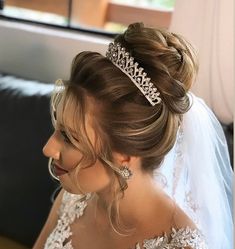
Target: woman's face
[[66, 156]]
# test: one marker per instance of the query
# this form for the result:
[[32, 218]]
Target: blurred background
[[103, 15], [38, 40]]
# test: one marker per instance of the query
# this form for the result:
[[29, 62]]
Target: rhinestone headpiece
[[122, 59]]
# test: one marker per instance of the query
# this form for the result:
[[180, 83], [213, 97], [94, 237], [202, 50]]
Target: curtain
[[208, 25]]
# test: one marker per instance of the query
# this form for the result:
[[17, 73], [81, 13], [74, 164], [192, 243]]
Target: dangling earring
[[50, 168], [125, 172]]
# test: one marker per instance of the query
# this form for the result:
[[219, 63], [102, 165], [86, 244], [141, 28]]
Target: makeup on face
[[58, 171]]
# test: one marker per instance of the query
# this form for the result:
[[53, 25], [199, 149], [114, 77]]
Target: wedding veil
[[197, 174]]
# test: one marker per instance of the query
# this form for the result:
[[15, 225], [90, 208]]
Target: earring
[[125, 172], [50, 168]]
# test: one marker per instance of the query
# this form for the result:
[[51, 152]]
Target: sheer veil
[[197, 174]]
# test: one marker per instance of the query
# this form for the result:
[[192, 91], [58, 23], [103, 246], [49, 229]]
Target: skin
[[68, 158], [143, 200]]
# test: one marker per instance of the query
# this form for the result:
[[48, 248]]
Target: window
[[100, 15]]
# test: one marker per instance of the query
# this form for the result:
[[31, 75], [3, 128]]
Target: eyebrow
[[70, 130]]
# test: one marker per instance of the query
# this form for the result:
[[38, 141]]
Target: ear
[[123, 159]]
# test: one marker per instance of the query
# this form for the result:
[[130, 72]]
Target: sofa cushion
[[6, 243], [25, 185]]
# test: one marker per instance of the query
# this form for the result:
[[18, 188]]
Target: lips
[[58, 170]]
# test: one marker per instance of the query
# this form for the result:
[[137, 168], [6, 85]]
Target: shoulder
[[171, 214], [184, 232], [183, 238], [173, 229], [181, 219]]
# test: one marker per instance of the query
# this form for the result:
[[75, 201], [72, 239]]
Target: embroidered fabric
[[73, 207]]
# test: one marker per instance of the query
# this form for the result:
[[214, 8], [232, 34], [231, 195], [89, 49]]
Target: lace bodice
[[73, 206]]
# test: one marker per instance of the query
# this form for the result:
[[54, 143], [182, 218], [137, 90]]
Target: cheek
[[94, 178], [90, 179], [71, 159]]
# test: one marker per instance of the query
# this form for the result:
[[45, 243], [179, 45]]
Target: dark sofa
[[26, 188], [25, 185]]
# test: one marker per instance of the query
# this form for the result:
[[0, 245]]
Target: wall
[[45, 54], [40, 53], [210, 28]]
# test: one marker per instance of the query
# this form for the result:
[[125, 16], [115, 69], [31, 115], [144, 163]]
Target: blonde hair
[[124, 120]]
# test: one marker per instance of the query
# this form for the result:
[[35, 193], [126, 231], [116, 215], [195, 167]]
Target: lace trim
[[73, 206], [182, 238], [188, 203]]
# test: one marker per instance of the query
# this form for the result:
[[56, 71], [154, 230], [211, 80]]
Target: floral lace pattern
[[73, 206], [184, 237], [188, 202]]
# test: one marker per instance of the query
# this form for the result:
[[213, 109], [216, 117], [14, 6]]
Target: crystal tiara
[[122, 59]]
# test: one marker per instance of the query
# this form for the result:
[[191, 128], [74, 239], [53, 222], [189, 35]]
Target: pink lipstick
[[59, 171]]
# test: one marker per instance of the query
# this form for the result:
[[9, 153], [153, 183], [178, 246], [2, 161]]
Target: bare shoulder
[[175, 215], [181, 219], [50, 223], [174, 224], [186, 229], [177, 224]]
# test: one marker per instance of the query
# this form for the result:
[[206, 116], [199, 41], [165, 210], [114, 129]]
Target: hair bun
[[167, 58]]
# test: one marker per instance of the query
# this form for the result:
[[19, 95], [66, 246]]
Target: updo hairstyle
[[123, 119]]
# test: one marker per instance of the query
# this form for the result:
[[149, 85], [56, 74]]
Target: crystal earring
[[50, 168], [125, 172]]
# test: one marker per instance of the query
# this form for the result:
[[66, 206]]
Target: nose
[[52, 147]]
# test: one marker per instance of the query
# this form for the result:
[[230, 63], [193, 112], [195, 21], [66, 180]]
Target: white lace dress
[[73, 206]]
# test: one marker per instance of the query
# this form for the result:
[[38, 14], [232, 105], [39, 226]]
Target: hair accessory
[[122, 59], [125, 172]]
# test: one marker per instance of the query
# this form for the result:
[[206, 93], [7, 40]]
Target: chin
[[70, 189]]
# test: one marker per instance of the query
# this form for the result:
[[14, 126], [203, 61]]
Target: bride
[[142, 162]]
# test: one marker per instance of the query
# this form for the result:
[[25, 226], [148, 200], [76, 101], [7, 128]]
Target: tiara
[[122, 59]]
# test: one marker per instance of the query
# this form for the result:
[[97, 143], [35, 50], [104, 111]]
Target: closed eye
[[65, 137]]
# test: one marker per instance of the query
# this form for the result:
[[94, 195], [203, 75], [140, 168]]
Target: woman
[[115, 120]]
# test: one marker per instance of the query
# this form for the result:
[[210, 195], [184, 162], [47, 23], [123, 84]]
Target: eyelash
[[65, 137]]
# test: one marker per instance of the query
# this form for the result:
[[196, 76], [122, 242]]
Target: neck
[[139, 202]]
